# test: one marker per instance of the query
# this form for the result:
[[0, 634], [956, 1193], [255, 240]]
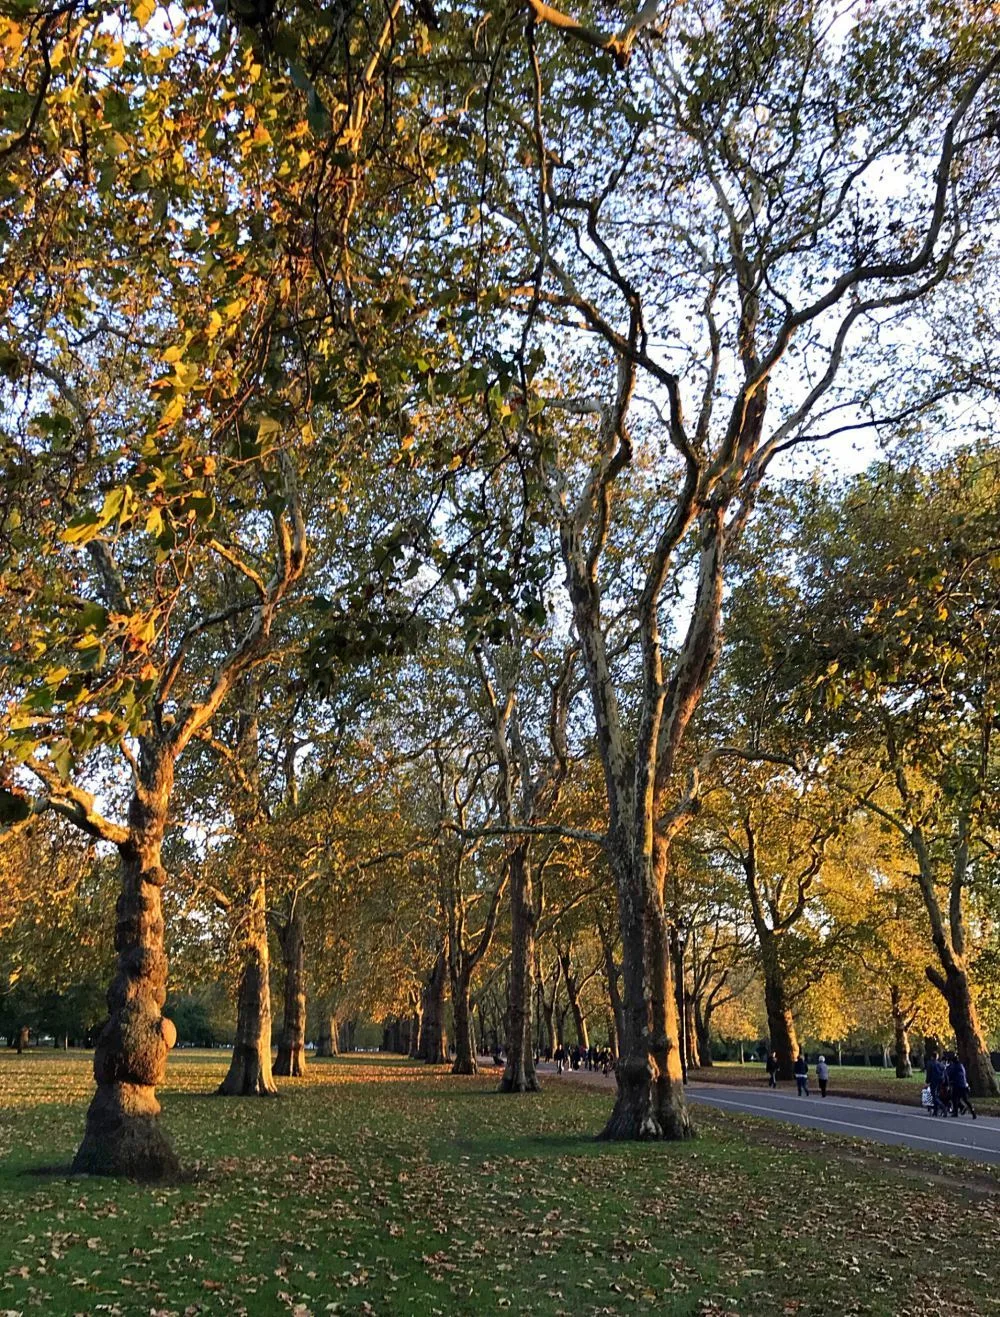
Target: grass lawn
[[375, 1186], [845, 1081]]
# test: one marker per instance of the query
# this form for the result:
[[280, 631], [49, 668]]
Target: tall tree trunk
[[780, 1023], [434, 1033], [703, 1035], [691, 1034], [650, 1102], [964, 1019], [249, 1072], [573, 993], [291, 1060], [904, 1066], [465, 1048], [122, 1134], [415, 1028], [519, 1071]]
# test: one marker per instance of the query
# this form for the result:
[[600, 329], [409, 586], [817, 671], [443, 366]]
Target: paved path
[[882, 1122]]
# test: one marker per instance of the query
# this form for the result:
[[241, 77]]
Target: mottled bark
[[650, 1102], [249, 1073], [519, 1074], [291, 1059], [122, 1134]]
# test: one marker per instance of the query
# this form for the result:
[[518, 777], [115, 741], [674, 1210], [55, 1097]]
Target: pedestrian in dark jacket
[[802, 1075], [958, 1081], [935, 1075], [771, 1065]]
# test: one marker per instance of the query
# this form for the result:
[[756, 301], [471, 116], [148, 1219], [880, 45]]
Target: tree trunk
[[780, 1023], [23, 1035], [614, 992], [572, 992], [694, 1059], [415, 1028], [465, 1050], [291, 1060], [519, 1072], [328, 1042], [433, 1032], [703, 1037], [964, 1019], [249, 1072], [123, 1135], [650, 1102]]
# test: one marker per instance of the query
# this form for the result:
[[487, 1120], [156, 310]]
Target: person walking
[[560, 1058], [822, 1075], [771, 1065], [958, 1081], [802, 1075], [934, 1073]]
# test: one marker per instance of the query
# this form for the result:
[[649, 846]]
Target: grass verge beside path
[[379, 1187], [845, 1081]]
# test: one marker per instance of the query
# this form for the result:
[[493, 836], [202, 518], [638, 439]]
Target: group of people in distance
[[947, 1091], [801, 1072], [947, 1086], [589, 1058]]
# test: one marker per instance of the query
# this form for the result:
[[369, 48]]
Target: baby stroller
[[943, 1105]]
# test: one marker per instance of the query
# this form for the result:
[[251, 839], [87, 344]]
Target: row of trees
[[389, 399]]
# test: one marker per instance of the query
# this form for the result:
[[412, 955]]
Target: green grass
[[845, 1081], [374, 1186]]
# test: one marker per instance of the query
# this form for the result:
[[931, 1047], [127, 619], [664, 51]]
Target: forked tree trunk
[[465, 1049], [900, 1025], [964, 1019], [573, 994], [123, 1135], [249, 1072], [433, 1032], [519, 1071], [327, 1044], [650, 1102], [291, 1060]]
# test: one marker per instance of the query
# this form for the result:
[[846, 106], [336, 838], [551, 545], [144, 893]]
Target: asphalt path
[[881, 1122]]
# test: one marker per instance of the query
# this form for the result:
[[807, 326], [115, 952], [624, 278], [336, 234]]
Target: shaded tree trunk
[[249, 1072], [519, 1072], [291, 1060], [328, 1042], [465, 1049], [573, 994], [611, 976], [415, 1028], [433, 1032], [703, 1035], [23, 1035], [122, 1134]]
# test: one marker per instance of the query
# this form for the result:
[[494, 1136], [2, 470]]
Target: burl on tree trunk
[[291, 1059], [123, 1135], [249, 1072]]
